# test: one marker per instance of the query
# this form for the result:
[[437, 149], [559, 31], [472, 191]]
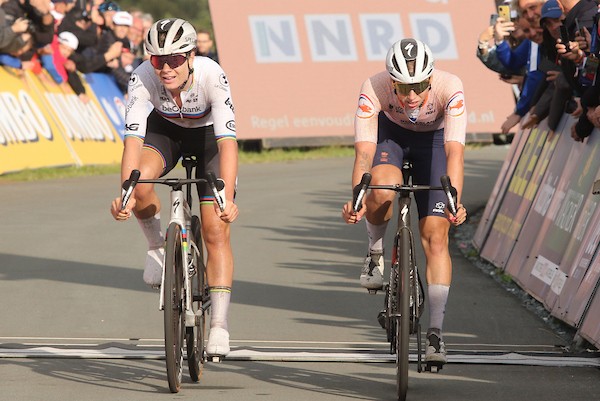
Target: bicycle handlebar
[[361, 189], [128, 186], [217, 186]]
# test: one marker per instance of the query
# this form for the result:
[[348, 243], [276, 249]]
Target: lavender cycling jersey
[[207, 102], [443, 108]]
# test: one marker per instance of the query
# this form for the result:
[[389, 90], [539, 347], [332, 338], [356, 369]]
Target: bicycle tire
[[174, 317], [194, 336], [403, 325]]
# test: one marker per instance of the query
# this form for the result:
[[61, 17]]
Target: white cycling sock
[[219, 306], [438, 296], [376, 232], [151, 229]]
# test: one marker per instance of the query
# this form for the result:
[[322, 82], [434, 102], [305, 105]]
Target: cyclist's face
[[412, 95], [172, 69]]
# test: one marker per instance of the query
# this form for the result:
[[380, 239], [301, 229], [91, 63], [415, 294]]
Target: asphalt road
[[79, 324]]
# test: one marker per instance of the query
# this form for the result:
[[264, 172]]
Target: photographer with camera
[[15, 36], [41, 21]]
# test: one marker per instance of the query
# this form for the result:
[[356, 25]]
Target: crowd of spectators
[[68, 38], [549, 50]]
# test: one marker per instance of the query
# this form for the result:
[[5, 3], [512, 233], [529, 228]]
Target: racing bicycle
[[404, 295], [184, 296]]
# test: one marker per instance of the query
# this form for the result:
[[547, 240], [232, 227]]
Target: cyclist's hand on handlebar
[[350, 216], [230, 213], [461, 215], [117, 213]]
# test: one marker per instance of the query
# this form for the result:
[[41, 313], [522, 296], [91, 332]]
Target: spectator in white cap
[[64, 69], [69, 43], [123, 18]]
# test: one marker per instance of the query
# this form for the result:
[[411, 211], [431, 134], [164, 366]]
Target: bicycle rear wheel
[[194, 336], [174, 316], [403, 321]]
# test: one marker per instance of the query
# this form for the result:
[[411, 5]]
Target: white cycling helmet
[[408, 50], [170, 36]]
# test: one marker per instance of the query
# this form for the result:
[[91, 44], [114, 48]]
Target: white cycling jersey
[[444, 107], [207, 102]]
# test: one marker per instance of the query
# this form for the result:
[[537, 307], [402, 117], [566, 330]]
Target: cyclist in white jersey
[[192, 114], [412, 112]]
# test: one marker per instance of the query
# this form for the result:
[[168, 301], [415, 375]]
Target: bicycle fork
[[181, 214]]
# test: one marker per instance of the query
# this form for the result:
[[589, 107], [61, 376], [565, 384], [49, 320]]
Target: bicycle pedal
[[216, 358]]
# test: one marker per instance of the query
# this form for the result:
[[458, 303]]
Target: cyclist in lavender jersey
[[192, 113], [413, 112]]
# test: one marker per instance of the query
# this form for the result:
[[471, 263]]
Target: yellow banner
[[43, 124]]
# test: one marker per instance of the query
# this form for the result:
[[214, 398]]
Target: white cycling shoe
[[218, 342], [153, 267]]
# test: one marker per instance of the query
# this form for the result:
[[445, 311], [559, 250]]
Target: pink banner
[[590, 328], [582, 278], [505, 228], [551, 257], [537, 221], [296, 68], [499, 190]]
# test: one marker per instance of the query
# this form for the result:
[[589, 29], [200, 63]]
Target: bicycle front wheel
[[194, 336], [174, 317], [404, 258]]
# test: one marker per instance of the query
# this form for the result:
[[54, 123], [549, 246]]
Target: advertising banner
[[296, 68], [110, 97], [29, 137], [567, 185], [536, 223], [590, 328], [572, 221], [499, 190], [582, 279], [84, 126], [515, 206]]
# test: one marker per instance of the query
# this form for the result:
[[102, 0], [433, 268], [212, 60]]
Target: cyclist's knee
[[216, 235]]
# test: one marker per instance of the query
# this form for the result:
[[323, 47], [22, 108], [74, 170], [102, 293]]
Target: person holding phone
[[521, 57], [580, 17]]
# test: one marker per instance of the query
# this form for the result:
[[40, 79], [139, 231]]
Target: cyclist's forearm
[[228, 159], [455, 166], [363, 160], [132, 153]]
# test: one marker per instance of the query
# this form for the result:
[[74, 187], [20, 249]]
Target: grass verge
[[245, 157]]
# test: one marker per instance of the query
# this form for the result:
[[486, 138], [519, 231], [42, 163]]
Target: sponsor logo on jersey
[[365, 109], [439, 207], [223, 80], [133, 79], [230, 125], [456, 105], [229, 103]]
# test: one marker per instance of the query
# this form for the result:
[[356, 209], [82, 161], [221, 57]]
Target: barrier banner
[[296, 68], [582, 279], [572, 223], [536, 221], [590, 328], [29, 136], [574, 172], [514, 205], [499, 190], [110, 97], [85, 127]]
